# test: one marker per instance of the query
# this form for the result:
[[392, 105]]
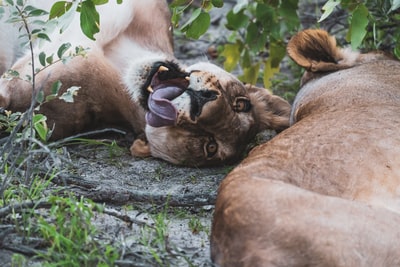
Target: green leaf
[[99, 2], [40, 125], [241, 5], [40, 97], [199, 26], [269, 72], [231, 54], [206, 5], [36, 12], [277, 52], [66, 18], [192, 18], [55, 87], [288, 10], [250, 75], [255, 37], [236, 21], [395, 5], [396, 51], [59, 8], [42, 59], [49, 60], [119, 1], [245, 58], [44, 36], [264, 13], [359, 22], [350, 5], [90, 19], [177, 3], [217, 3], [328, 8], [68, 96], [62, 49], [10, 74]]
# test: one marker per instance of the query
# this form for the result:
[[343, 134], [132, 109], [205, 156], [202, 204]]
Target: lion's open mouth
[[167, 82]]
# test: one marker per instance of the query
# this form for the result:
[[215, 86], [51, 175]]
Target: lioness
[[196, 115], [326, 191]]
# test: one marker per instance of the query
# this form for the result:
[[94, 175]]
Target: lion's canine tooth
[[187, 78], [163, 68], [150, 89]]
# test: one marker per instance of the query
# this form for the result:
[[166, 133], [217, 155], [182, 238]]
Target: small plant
[[155, 238], [200, 19], [372, 24], [9, 120], [257, 42], [29, 164], [196, 226], [71, 235]]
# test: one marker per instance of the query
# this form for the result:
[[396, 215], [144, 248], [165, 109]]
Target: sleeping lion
[[193, 115], [325, 191]]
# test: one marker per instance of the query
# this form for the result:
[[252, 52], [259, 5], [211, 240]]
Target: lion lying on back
[[326, 191], [196, 115]]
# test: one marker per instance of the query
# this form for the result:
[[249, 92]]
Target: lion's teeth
[[163, 68], [187, 78], [150, 89]]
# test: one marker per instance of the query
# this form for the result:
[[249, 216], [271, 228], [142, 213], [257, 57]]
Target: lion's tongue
[[162, 112]]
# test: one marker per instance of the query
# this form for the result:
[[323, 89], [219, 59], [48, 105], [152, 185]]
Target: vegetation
[[56, 227], [259, 31]]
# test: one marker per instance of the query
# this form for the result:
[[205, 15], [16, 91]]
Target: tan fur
[[134, 41], [140, 148], [326, 191]]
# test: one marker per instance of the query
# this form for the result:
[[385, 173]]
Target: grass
[[157, 240], [71, 236], [68, 228]]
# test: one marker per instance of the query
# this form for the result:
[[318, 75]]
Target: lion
[[198, 115], [325, 191]]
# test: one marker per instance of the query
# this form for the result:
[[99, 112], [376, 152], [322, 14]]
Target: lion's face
[[202, 115]]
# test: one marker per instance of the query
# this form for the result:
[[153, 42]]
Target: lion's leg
[[16, 92], [260, 222], [101, 101]]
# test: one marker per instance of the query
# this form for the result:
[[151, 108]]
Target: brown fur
[[99, 102], [326, 191], [115, 74]]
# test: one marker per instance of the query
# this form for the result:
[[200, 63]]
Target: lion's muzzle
[[198, 99]]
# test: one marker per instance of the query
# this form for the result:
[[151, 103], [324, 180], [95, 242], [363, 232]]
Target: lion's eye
[[242, 104], [210, 148]]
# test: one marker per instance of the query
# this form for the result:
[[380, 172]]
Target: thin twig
[[125, 217], [70, 138], [18, 207], [45, 204], [21, 249]]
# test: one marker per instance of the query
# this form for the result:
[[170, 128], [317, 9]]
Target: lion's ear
[[316, 51], [270, 111], [140, 148]]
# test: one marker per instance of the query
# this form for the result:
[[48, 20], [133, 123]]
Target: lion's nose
[[198, 99]]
